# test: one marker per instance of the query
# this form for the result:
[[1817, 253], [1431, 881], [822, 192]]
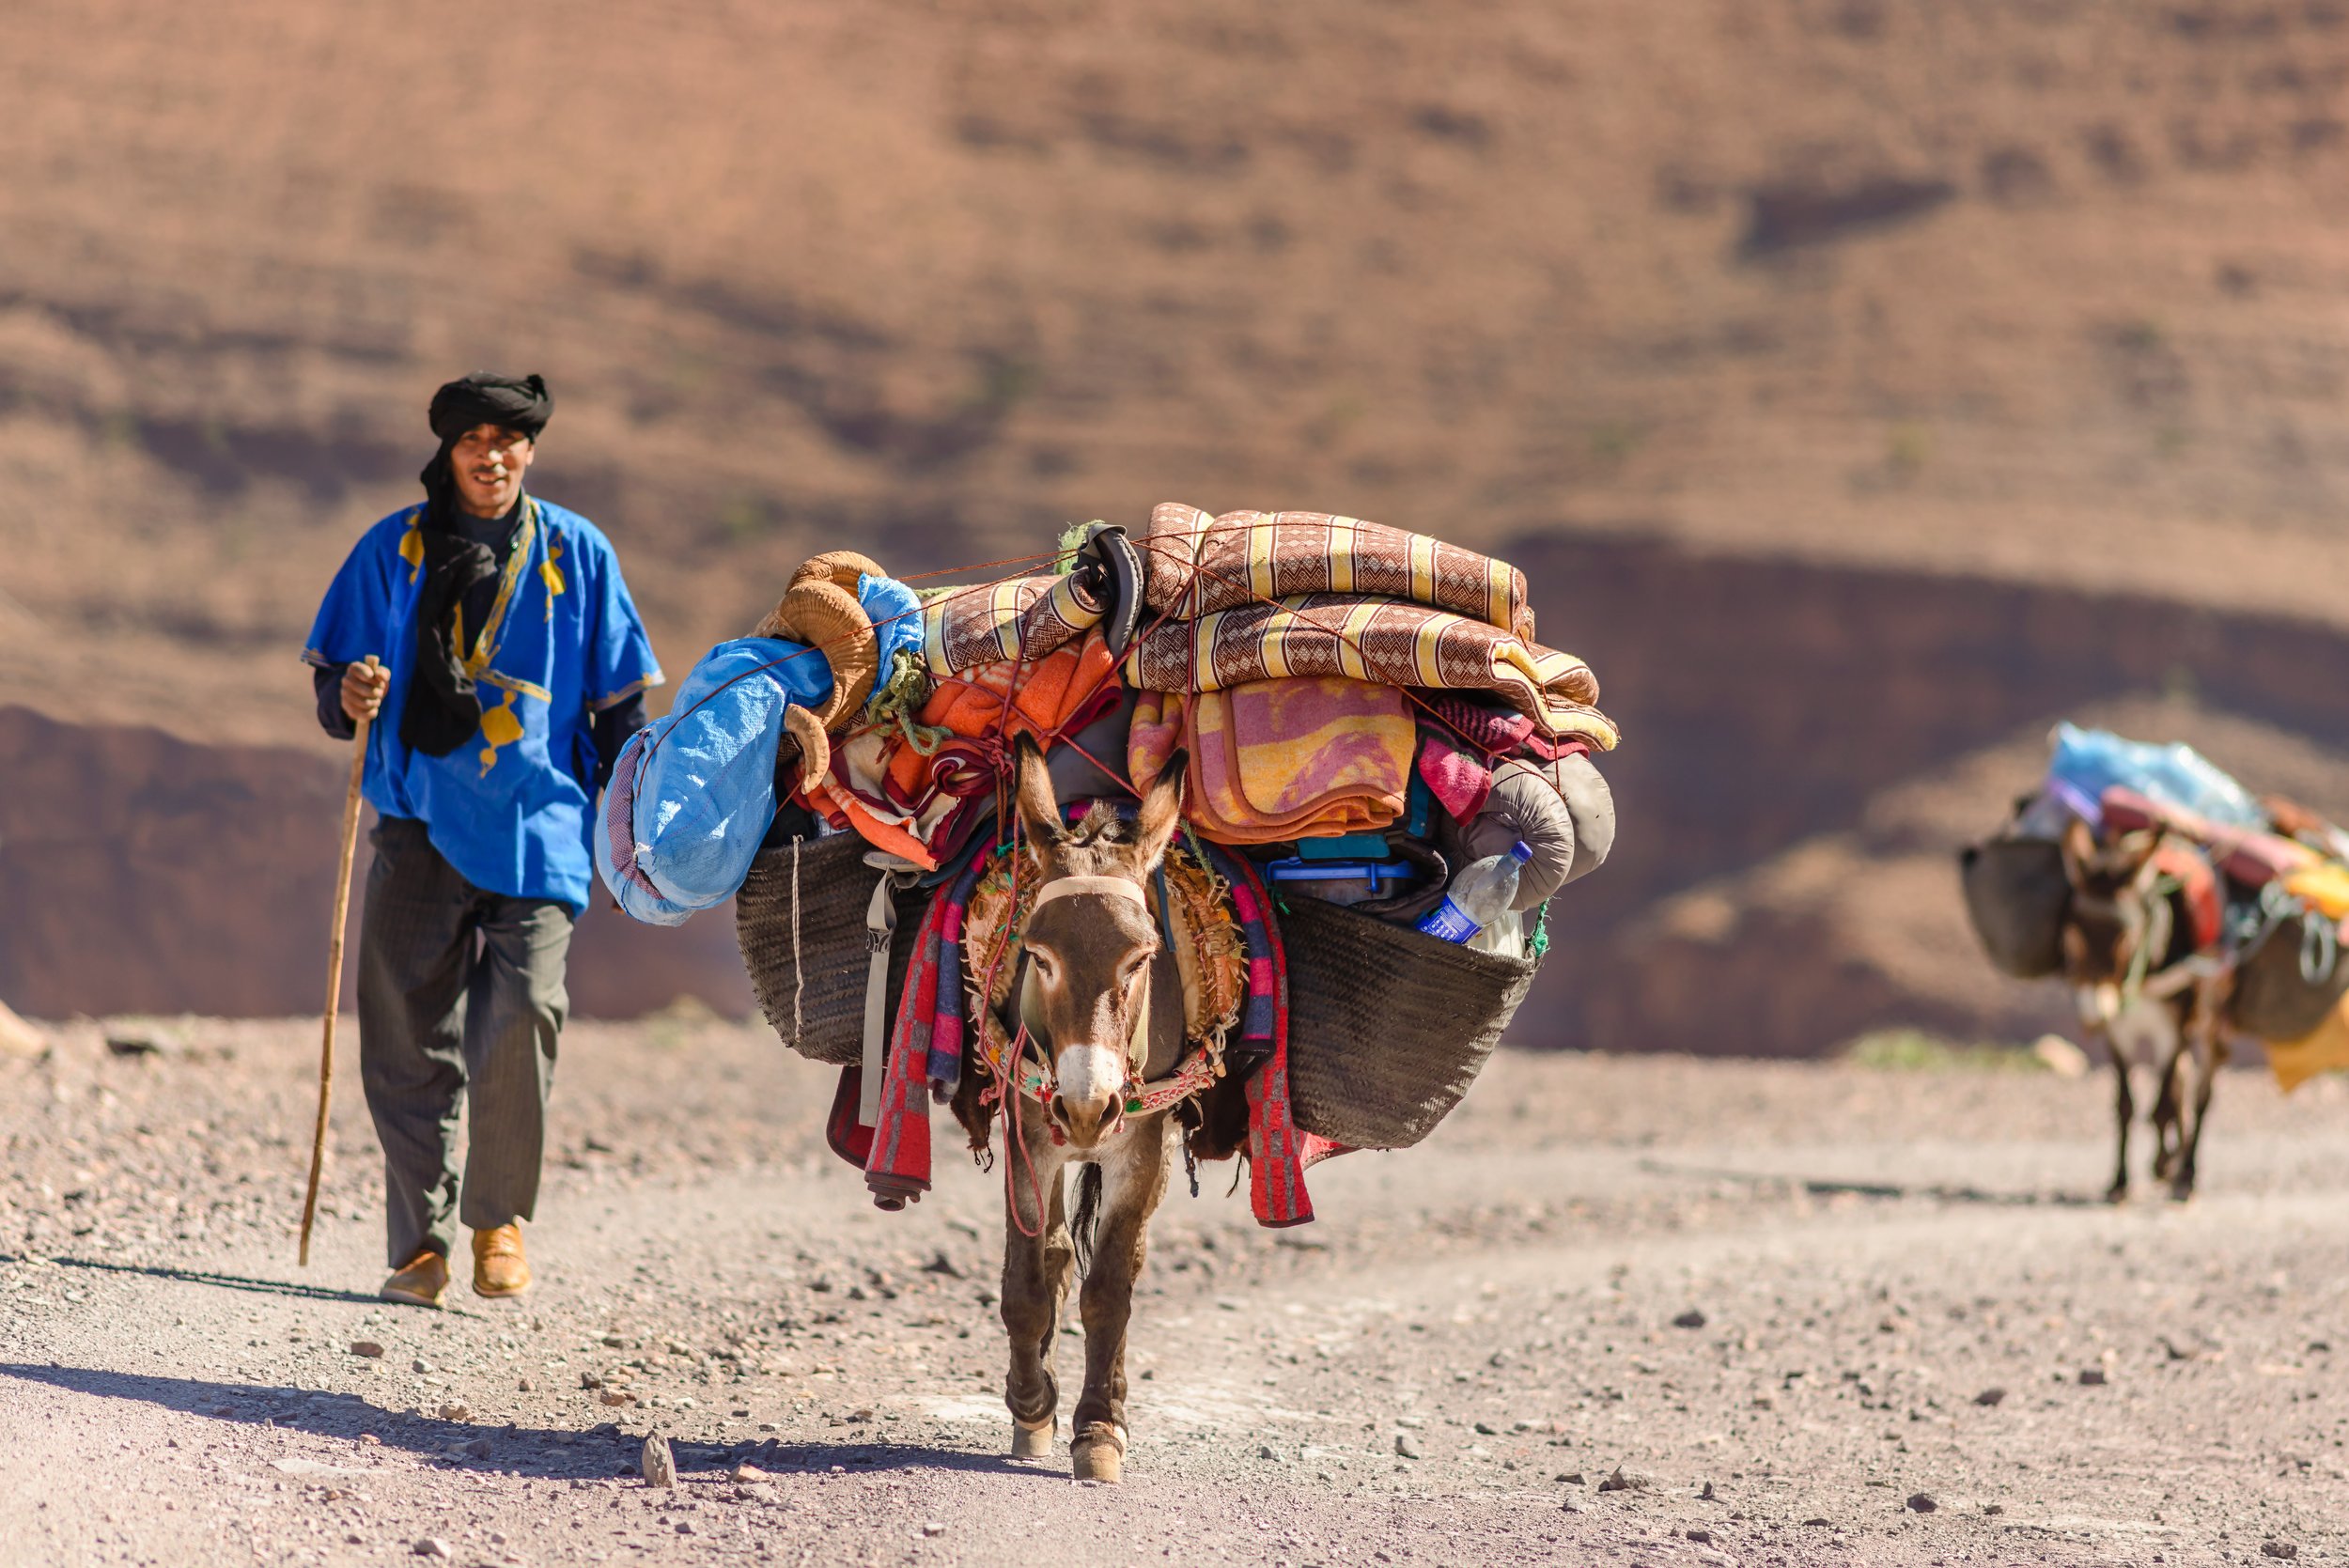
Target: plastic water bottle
[[1480, 895], [1503, 937]]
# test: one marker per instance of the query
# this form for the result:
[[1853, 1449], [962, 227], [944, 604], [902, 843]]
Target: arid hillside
[[1912, 302]]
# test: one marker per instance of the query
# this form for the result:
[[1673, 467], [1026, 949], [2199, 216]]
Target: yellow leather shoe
[[420, 1281], [499, 1268]]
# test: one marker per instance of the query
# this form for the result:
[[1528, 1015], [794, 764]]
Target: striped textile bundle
[[1197, 564], [1024, 617], [1385, 640]]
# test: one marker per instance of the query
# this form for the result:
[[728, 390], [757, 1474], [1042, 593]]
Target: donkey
[[2124, 929], [1102, 999]]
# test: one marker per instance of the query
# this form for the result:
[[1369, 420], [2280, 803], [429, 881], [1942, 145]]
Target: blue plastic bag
[[694, 792], [2086, 763]]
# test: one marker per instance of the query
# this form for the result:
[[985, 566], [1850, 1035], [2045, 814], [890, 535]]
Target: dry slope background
[[1832, 362]]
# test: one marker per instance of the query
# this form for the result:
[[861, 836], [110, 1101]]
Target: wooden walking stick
[[334, 970]]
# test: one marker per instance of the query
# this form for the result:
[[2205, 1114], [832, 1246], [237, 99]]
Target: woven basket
[[1387, 1026], [2275, 998], [835, 885], [2017, 896]]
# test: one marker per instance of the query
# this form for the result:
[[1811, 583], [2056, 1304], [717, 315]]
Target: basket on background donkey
[[1248, 754], [2183, 914]]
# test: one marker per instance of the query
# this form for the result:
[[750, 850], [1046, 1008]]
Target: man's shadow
[[206, 1277], [549, 1453]]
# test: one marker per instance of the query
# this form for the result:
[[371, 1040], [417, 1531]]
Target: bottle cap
[[1520, 853]]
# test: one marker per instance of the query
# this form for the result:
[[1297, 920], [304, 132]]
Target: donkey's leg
[[2169, 1115], [1037, 1259], [2123, 1113], [2209, 1053], [1134, 1181]]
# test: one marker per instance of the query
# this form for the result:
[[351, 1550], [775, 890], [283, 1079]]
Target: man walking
[[488, 635]]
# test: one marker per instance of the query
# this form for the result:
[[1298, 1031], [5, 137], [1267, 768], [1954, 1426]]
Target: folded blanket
[[1386, 640], [1276, 760], [1195, 563], [1024, 617]]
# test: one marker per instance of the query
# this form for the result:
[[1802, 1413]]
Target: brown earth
[[1786, 1300], [1864, 385]]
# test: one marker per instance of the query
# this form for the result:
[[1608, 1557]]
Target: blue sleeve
[[352, 619], [620, 663]]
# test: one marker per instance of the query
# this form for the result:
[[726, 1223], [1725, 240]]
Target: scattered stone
[[1407, 1446], [19, 1038], [456, 1411], [685, 1526], [521, 1384], [931, 1526], [1627, 1480], [614, 1396], [1573, 1478], [370, 1439], [2285, 1549], [2059, 1056], [1707, 1494], [419, 1366], [368, 1348], [1487, 1429], [2094, 1378], [659, 1465], [1499, 1359], [430, 1547], [152, 1042], [940, 1264], [589, 1380], [1994, 1508], [1817, 1524], [1264, 1451], [1689, 1319], [748, 1473], [1702, 1537], [1989, 1396], [1922, 1502]]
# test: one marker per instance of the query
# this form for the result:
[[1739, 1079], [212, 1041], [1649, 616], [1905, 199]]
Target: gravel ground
[[1618, 1310]]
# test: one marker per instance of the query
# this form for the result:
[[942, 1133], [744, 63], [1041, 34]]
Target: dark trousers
[[460, 993]]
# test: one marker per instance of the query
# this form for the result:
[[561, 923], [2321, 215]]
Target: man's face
[[488, 461]]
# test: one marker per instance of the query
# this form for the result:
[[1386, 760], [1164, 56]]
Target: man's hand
[[364, 686]]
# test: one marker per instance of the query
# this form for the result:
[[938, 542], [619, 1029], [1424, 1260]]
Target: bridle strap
[[1108, 887]]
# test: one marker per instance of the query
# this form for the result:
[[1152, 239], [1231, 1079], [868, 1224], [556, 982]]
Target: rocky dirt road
[[1809, 1314]]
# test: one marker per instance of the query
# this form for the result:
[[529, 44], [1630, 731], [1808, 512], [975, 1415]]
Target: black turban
[[443, 711], [482, 398]]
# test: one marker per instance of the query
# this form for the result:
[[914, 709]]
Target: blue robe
[[510, 810]]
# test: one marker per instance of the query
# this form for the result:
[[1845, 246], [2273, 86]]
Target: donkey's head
[[2109, 913], [1090, 938]]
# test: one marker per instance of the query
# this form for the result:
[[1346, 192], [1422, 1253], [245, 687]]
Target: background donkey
[[1102, 1002], [2136, 953]]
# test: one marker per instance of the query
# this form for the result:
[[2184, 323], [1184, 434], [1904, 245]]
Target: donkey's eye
[[1046, 965]]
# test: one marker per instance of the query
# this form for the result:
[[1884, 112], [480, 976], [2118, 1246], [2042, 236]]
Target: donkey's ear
[[1032, 793], [2079, 849], [1161, 813]]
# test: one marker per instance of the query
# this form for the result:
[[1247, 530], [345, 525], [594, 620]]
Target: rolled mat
[[1387, 1026], [835, 887]]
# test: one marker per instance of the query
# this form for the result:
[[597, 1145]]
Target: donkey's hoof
[[1098, 1454], [1032, 1442], [2117, 1193]]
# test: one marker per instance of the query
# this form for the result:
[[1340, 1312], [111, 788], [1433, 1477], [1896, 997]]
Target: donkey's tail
[[1084, 1222]]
